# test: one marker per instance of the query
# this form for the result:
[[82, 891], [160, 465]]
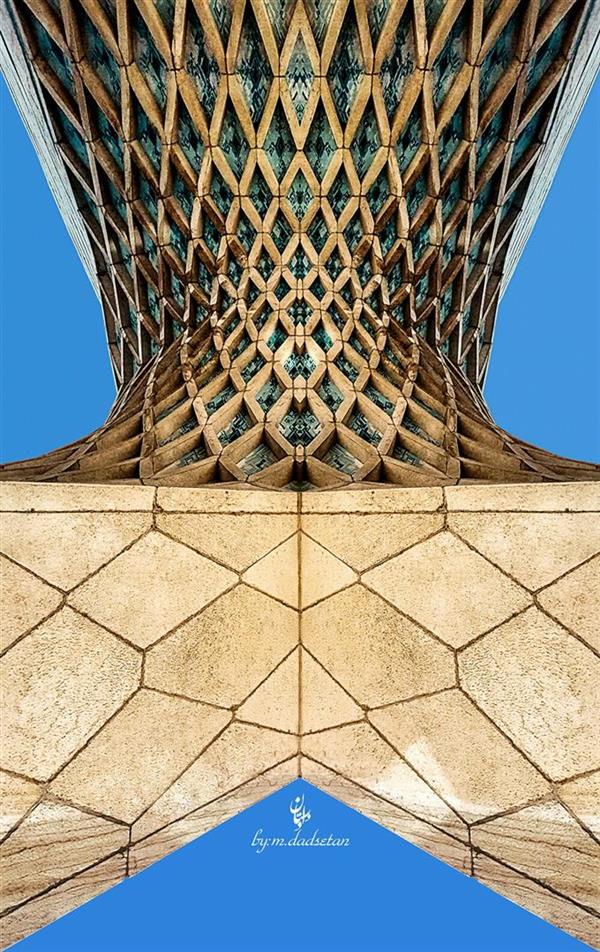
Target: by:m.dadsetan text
[[300, 816]]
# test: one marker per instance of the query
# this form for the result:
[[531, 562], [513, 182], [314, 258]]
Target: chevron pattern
[[170, 657], [300, 213]]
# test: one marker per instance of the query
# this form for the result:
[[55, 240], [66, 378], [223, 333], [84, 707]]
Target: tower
[[299, 220], [300, 545]]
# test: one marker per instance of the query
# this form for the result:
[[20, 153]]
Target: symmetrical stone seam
[[555, 787]]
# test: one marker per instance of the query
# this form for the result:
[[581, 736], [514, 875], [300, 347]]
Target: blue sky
[[543, 384], [377, 894]]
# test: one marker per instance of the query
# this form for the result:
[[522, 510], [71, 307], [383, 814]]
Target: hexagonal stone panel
[[138, 754], [323, 702], [533, 547], [356, 751], [575, 601], [50, 544], [376, 653], [225, 652], [237, 540], [545, 842], [448, 588], [151, 588], [238, 755], [364, 540], [24, 601], [274, 703], [540, 685], [60, 684], [54, 842], [460, 753]]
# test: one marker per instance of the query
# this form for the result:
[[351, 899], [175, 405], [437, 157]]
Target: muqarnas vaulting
[[300, 216]]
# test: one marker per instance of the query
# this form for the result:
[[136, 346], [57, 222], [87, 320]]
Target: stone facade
[[428, 656]]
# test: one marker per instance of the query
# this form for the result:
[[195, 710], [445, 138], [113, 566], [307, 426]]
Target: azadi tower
[[300, 545], [299, 218]]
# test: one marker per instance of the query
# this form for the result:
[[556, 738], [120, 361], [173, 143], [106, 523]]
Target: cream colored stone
[[322, 573], [536, 899], [236, 540], [374, 652], [277, 573], [57, 902], [240, 754], [73, 497], [393, 818], [138, 754], [195, 824], [545, 842], [533, 547], [64, 548], [575, 601], [540, 685], [449, 589], [275, 702], [180, 778], [323, 703], [380, 499], [151, 588], [60, 685], [232, 499], [24, 601], [470, 764], [582, 796], [364, 540], [359, 754], [17, 796], [53, 843], [527, 497], [224, 653]]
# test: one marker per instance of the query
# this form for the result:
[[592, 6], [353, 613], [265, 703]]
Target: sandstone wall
[[429, 657]]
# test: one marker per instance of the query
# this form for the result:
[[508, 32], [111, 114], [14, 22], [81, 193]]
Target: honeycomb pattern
[[300, 214]]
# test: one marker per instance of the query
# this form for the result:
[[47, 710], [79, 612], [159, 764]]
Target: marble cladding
[[427, 656]]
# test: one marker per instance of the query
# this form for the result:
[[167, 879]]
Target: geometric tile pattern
[[301, 217], [464, 721], [132, 639]]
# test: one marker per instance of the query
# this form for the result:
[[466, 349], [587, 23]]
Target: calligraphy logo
[[300, 815]]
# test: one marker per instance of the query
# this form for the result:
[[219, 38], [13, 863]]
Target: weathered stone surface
[[398, 668]]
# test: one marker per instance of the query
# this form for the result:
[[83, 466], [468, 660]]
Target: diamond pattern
[[201, 64], [320, 144], [347, 68], [451, 613], [300, 196], [279, 144], [319, 13], [233, 142], [399, 64], [300, 429], [260, 193], [300, 77], [253, 68], [366, 143], [281, 232], [359, 108], [166, 566], [318, 231]]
